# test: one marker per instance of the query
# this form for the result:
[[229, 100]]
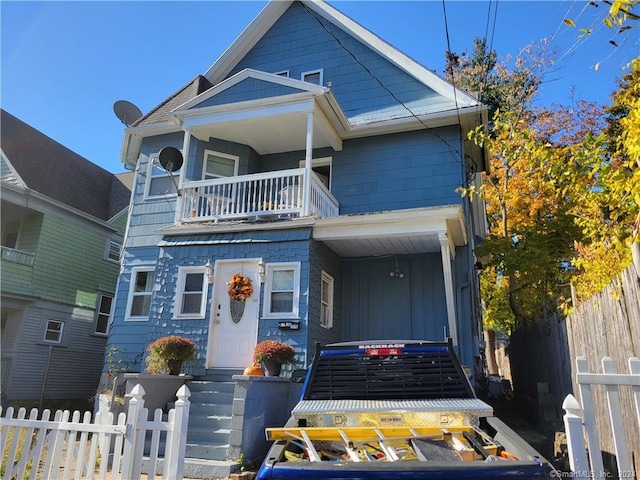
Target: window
[[11, 234], [218, 165], [191, 293], [53, 331], [282, 290], [140, 294], [314, 77], [112, 251], [159, 181], [103, 310], [326, 299]]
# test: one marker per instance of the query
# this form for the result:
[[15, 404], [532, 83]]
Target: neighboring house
[[63, 220], [324, 165]]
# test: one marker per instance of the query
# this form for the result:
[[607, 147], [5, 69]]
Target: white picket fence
[[580, 420], [64, 448]]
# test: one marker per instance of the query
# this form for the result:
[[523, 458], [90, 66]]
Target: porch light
[[208, 271], [396, 273]]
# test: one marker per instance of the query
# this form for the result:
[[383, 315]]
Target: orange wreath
[[240, 287]]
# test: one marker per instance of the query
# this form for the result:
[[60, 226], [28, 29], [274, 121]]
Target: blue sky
[[64, 64]]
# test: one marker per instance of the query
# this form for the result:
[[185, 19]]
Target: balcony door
[[233, 326]]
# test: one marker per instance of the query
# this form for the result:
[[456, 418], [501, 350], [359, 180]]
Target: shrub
[[273, 351], [169, 349]]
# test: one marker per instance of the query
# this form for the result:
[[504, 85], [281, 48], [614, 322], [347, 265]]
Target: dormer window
[[313, 76]]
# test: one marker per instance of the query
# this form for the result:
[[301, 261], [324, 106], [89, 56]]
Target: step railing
[[269, 194]]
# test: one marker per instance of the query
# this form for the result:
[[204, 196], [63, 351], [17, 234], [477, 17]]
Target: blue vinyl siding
[[298, 42], [249, 89]]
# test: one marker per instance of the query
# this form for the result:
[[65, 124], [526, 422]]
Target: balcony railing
[[275, 194], [17, 256]]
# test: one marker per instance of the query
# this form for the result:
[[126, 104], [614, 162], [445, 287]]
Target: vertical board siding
[[377, 306]]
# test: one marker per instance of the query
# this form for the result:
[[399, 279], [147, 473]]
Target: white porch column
[[186, 142], [448, 253], [306, 188]]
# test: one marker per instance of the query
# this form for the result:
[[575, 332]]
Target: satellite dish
[[171, 159], [127, 112]]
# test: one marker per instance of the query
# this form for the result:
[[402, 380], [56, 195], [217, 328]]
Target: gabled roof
[[51, 169], [276, 8]]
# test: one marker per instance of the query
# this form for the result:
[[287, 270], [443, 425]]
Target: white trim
[[319, 71], [180, 285], [12, 169], [155, 163], [60, 333], [445, 248], [132, 283], [235, 158], [107, 250], [269, 269], [304, 87], [329, 279]]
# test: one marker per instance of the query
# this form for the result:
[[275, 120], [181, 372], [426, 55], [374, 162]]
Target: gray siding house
[[321, 163], [63, 221]]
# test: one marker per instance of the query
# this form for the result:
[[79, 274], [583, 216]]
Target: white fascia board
[[258, 75], [415, 221], [246, 40], [323, 124], [10, 166], [132, 141], [28, 198], [243, 111]]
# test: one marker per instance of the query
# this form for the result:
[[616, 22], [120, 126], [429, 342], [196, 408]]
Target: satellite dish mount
[[171, 160]]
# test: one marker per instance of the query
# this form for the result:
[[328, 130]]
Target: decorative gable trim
[[257, 75], [276, 8], [17, 179]]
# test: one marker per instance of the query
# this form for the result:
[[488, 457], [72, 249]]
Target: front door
[[233, 327]]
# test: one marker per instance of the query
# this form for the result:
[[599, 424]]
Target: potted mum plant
[[166, 354], [272, 354]]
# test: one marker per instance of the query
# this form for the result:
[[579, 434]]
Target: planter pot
[[272, 369], [174, 367]]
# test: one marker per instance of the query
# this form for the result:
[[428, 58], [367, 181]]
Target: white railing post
[[615, 417], [136, 405], [177, 437], [589, 416], [575, 436]]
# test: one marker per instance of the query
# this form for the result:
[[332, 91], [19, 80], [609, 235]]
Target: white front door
[[233, 327]]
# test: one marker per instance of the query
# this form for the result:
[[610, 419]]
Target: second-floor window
[[11, 234], [140, 291], [159, 182], [112, 251], [218, 165], [282, 290], [191, 293]]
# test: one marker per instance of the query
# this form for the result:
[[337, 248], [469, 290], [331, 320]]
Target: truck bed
[[395, 410]]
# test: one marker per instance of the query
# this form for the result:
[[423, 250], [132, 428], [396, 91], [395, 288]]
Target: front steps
[[210, 425]]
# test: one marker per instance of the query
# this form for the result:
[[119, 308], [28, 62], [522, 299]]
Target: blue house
[[320, 163]]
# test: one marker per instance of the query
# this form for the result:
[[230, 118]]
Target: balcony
[[17, 256], [267, 195]]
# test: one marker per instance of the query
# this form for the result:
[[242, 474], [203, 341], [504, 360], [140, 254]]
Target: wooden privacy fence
[[65, 448], [622, 392]]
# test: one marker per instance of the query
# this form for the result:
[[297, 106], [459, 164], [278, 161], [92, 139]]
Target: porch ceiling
[[403, 232]]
